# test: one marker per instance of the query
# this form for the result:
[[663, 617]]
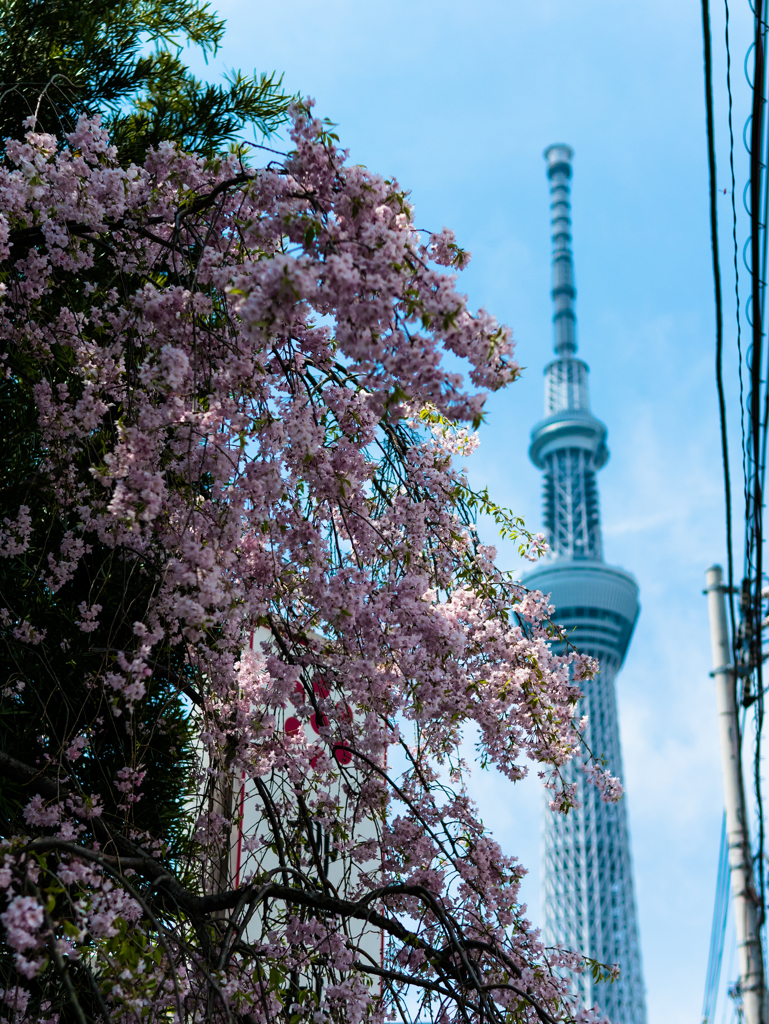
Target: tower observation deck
[[589, 900]]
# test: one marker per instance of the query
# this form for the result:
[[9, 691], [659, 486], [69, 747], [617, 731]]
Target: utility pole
[[744, 896]]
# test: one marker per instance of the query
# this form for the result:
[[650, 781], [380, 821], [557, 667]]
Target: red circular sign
[[342, 754], [320, 686], [318, 721]]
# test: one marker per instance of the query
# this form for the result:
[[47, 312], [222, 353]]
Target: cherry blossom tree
[[243, 522]]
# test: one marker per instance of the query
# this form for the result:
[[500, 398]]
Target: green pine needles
[[124, 59]]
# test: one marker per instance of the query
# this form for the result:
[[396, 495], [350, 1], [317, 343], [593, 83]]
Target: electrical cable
[[736, 294], [757, 290], [708, 62], [756, 311]]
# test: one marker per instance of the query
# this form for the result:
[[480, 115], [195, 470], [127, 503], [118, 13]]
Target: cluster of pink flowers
[[14, 536], [279, 434], [23, 921], [128, 782], [607, 784]]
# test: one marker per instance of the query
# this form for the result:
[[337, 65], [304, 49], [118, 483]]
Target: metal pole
[[744, 897]]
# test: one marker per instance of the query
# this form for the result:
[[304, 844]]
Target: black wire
[[717, 290], [755, 243], [756, 168], [739, 326], [762, 287], [765, 243]]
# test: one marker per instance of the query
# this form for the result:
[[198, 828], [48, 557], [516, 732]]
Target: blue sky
[[458, 101]]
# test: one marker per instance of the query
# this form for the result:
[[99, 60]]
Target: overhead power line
[[708, 61]]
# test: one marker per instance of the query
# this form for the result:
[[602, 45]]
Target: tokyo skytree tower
[[589, 901]]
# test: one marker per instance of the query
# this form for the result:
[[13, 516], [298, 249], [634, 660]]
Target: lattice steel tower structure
[[589, 901]]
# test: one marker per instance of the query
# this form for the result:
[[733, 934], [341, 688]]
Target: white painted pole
[[744, 897]]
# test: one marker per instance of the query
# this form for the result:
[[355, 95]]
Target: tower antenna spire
[[559, 159]]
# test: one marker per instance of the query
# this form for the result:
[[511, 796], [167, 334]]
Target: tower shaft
[[589, 899]]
